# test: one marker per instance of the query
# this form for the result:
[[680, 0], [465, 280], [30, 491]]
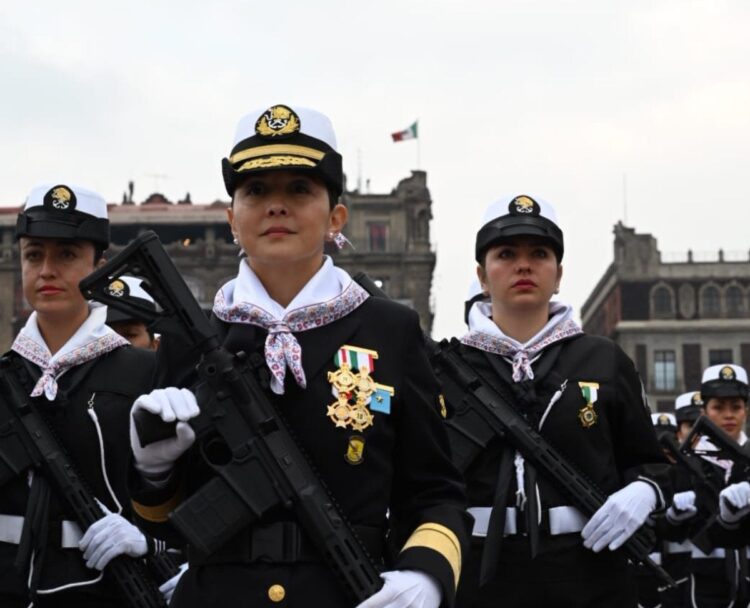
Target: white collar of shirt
[[326, 284], [480, 319]]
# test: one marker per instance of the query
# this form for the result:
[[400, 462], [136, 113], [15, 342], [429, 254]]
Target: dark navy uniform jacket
[[405, 483], [107, 386]]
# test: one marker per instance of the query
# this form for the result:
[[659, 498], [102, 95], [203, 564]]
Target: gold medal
[[343, 379], [340, 411], [588, 416], [361, 417], [365, 385]]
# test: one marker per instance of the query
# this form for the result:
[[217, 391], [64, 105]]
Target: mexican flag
[[410, 133]]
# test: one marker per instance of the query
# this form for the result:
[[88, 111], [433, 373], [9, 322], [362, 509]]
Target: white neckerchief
[[485, 335], [328, 296], [704, 445], [92, 339]]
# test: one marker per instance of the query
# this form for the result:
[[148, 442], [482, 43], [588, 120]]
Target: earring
[[340, 240], [235, 241]]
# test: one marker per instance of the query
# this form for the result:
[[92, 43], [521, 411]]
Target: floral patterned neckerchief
[[330, 295], [485, 335], [92, 339]]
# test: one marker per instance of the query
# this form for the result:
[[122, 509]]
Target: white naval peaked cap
[[724, 380], [663, 419], [499, 208], [691, 399], [284, 137], [66, 197], [64, 211], [725, 372], [136, 290], [518, 215], [311, 122], [130, 287]]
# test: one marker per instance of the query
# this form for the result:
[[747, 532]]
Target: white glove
[[167, 589], [170, 404], [682, 507], [735, 497], [617, 519], [109, 537], [406, 589]]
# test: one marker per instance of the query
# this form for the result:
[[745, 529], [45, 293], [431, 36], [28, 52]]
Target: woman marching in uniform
[[719, 576], [83, 379], [584, 396], [381, 453]]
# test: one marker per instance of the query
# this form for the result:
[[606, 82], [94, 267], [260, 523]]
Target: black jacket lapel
[[319, 345]]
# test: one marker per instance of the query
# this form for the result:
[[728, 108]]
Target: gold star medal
[[361, 417], [587, 414], [343, 380], [340, 412]]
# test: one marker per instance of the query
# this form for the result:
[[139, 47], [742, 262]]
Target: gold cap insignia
[[696, 399], [276, 121], [664, 420], [60, 198], [727, 373], [117, 289], [523, 205], [355, 449]]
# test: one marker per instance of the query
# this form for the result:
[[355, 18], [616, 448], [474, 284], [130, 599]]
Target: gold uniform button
[[276, 593]]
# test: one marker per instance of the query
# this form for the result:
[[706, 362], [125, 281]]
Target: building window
[[735, 301], [718, 356], [710, 302], [665, 372], [662, 302], [378, 233]]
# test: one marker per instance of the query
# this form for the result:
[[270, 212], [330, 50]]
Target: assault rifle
[[257, 461], [722, 447], [706, 493], [484, 410], [27, 442]]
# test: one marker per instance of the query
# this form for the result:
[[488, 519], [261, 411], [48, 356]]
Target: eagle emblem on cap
[[523, 205], [727, 373], [61, 198], [117, 288], [277, 120], [696, 399]]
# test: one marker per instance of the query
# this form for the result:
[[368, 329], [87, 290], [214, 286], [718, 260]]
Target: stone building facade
[[673, 318], [390, 233]]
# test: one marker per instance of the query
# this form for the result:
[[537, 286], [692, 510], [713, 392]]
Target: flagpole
[[419, 139]]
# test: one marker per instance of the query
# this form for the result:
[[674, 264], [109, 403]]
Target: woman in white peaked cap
[[379, 448], [82, 378], [530, 546]]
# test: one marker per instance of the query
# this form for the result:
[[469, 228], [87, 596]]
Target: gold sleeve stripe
[[276, 149], [157, 514], [441, 539]]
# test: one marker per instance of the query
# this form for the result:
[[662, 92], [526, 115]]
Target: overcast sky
[[553, 98]]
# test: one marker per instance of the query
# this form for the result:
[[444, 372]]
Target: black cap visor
[[723, 388], [296, 153], [114, 315], [509, 226], [74, 226], [689, 413]]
